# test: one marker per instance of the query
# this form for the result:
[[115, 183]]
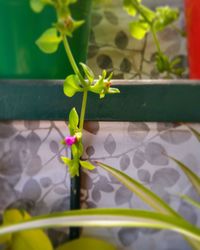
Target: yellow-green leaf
[[31, 240], [49, 41], [87, 165], [73, 119], [71, 86], [140, 190], [194, 179], [37, 5], [139, 29], [86, 243], [107, 218]]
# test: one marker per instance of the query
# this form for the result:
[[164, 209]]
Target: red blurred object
[[192, 12]]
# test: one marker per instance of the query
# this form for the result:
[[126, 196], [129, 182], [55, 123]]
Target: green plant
[[12, 232], [148, 21]]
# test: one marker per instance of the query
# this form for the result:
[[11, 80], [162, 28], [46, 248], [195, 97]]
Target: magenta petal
[[70, 140]]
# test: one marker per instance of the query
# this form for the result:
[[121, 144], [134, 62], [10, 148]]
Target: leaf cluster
[[146, 20]]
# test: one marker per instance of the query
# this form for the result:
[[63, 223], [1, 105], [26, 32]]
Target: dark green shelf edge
[[160, 101]]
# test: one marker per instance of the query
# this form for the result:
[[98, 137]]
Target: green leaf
[[139, 29], [71, 86], [87, 165], [66, 160], [149, 14], [73, 119], [164, 17], [49, 41], [107, 218], [195, 132], [191, 201], [129, 7], [37, 5], [72, 165], [140, 190], [86, 243], [194, 179], [88, 72], [162, 63]]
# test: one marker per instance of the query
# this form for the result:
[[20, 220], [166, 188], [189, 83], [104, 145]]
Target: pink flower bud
[[70, 140]]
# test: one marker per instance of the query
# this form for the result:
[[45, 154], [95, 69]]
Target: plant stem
[[83, 109], [156, 41], [72, 61]]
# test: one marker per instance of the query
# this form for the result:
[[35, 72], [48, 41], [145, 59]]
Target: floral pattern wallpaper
[[33, 177], [111, 46]]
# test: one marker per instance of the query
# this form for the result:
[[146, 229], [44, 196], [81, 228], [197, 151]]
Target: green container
[[20, 58]]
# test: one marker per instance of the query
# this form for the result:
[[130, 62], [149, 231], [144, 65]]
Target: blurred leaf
[[195, 132], [194, 179], [49, 41], [32, 239], [165, 16], [129, 8], [145, 194], [87, 165], [71, 86], [66, 160], [149, 14], [107, 218], [37, 5], [85, 243], [139, 29], [191, 201], [88, 72], [73, 119]]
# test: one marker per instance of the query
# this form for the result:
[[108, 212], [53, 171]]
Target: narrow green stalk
[[72, 61], [139, 10], [83, 109], [156, 41]]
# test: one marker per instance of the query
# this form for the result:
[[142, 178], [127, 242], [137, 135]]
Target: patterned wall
[[33, 177], [112, 48]]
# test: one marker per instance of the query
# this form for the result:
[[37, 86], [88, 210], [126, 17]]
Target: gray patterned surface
[[139, 150], [33, 177], [112, 47]]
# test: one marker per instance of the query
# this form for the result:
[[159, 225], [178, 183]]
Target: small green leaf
[[194, 179], [139, 29], [86, 243], [149, 14], [73, 119], [71, 86], [87, 165], [162, 63], [113, 91], [77, 24], [88, 72], [37, 5], [129, 7], [49, 41], [66, 160], [164, 17]]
